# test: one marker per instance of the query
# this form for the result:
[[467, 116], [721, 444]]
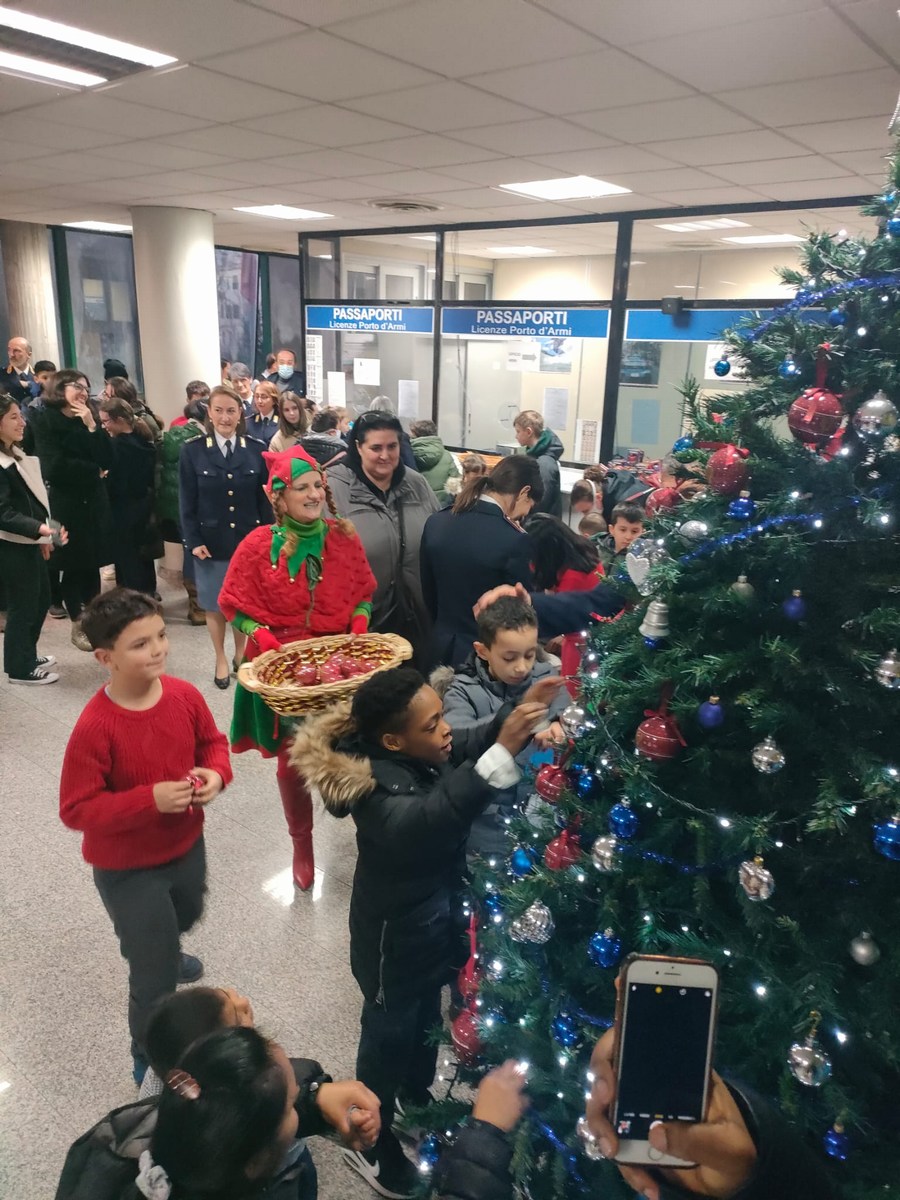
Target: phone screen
[[663, 1056]]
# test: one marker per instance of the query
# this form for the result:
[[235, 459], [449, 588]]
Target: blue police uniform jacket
[[221, 501]]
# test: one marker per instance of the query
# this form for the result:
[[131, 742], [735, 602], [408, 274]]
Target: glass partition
[[237, 285], [104, 305], [284, 303]]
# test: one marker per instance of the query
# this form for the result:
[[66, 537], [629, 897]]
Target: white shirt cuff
[[497, 767]]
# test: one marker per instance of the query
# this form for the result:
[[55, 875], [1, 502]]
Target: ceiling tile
[[328, 125], [864, 133], [650, 182], [19, 151], [318, 65], [149, 153], [234, 141], [200, 93], [601, 80], [814, 189], [326, 12], [878, 22], [79, 166], [623, 24], [330, 164], [780, 170], [688, 117], [47, 135], [831, 97], [268, 171], [774, 50], [20, 93], [737, 147], [604, 164], [689, 197], [862, 162], [402, 183], [187, 31], [544, 135], [497, 171], [442, 106], [344, 189], [263, 193], [424, 150], [479, 198], [468, 36], [106, 114]]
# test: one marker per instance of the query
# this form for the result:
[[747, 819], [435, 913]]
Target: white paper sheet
[[408, 399], [367, 372], [314, 367], [337, 389], [587, 441], [556, 407]]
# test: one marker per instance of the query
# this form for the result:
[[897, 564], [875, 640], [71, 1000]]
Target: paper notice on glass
[[556, 407], [314, 367], [408, 399], [525, 355], [587, 441], [337, 389], [367, 372]]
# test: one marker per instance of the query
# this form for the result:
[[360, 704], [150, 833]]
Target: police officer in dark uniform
[[221, 498]]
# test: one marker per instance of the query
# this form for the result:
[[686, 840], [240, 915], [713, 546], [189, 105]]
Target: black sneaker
[[58, 612], [38, 675], [190, 969], [408, 1126], [386, 1168]]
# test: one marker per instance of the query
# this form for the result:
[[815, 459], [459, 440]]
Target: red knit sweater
[[113, 760]]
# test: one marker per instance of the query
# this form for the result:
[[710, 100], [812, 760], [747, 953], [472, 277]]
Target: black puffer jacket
[[412, 821]]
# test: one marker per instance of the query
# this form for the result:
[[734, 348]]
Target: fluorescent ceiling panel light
[[517, 250], [284, 212], [574, 187], [328, 256], [29, 23], [696, 226], [423, 237], [99, 226], [763, 239], [41, 70]]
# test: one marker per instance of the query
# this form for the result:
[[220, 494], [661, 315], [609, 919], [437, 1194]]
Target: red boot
[[297, 804]]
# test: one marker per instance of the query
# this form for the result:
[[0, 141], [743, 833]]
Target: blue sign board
[[532, 321], [690, 325], [370, 318]]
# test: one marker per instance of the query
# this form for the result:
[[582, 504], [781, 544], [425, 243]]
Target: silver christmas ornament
[[603, 854], [757, 882], [642, 556], [888, 671], [864, 950], [742, 588], [573, 719], [656, 620], [693, 532], [767, 757], [590, 1147], [809, 1063], [535, 925], [875, 419]]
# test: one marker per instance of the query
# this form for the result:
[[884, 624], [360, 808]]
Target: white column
[[29, 287], [178, 314]]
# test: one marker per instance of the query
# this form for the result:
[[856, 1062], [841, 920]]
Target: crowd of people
[[299, 522]]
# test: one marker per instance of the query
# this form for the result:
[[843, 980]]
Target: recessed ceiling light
[[518, 250], [284, 212], [574, 187], [328, 256], [41, 70], [763, 239], [99, 226], [696, 226], [29, 23], [423, 237]]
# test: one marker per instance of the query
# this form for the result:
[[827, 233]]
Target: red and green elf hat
[[287, 465]]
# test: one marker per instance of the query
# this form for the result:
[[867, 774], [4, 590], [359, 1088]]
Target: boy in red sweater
[[143, 760]]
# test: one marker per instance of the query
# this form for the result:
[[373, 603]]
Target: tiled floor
[[64, 1057]]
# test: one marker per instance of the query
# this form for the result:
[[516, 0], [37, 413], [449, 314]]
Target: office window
[[104, 306], [284, 303], [237, 284]]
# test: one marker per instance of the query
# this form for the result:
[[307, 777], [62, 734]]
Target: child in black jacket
[[386, 762]]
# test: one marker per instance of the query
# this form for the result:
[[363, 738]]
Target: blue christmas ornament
[[522, 860], [889, 197], [564, 1030], [893, 226], [493, 906], [492, 1017], [742, 508], [585, 783], [722, 367], [429, 1152], [683, 443], [835, 1143], [623, 820], [651, 643], [887, 837], [794, 608], [711, 714], [605, 949], [837, 317], [788, 369]]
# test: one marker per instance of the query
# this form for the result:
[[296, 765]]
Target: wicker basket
[[269, 674]]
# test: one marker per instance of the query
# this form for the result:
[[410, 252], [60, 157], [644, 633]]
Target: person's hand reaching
[[505, 589], [518, 728], [353, 1110], [501, 1099]]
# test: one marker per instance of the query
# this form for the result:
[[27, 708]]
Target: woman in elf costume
[[303, 577]]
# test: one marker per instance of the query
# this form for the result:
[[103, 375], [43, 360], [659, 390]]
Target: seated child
[[387, 762], [626, 525], [500, 673]]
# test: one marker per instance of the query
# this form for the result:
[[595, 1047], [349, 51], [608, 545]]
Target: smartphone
[[666, 1022]]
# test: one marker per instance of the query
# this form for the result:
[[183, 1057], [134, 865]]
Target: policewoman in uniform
[[221, 499]]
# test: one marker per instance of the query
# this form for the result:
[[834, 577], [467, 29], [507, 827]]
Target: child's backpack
[[103, 1163]]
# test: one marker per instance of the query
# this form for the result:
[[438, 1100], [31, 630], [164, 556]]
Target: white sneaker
[[386, 1170], [47, 660], [38, 675], [108, 574]]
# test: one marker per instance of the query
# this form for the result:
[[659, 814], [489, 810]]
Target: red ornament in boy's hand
[[197, 784]]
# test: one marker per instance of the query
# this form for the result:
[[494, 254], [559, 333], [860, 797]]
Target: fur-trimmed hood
[[341, 778]]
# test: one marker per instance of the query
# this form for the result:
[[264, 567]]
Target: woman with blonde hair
[[262, 420]]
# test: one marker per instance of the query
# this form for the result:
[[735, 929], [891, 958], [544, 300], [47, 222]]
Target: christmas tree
[[732, 787]]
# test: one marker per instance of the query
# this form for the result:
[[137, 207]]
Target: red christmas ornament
[[469, 978], [550, 782], [727, 472], [563, 851], [465, 1037], [658, 737], [815, 416]]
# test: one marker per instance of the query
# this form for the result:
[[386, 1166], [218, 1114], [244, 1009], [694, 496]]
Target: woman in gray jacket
[[388, 504]]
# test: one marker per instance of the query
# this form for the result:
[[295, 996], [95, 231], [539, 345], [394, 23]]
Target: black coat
[[620, 487], [464, 555], [71, 461], [412, 821], [221, 502], [476, 1166], [131, 483]]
